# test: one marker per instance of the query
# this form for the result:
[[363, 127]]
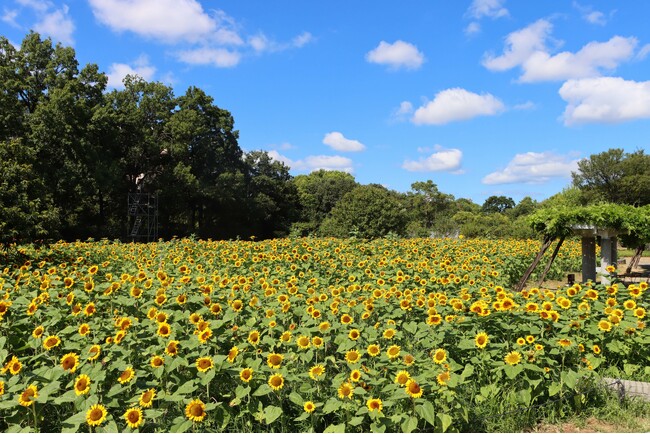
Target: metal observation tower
[[143, 216]]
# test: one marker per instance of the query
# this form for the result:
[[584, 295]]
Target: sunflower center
[[196, 410], [96, 415], [133, 416]]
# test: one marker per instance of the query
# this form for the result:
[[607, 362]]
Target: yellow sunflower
[[443, 378], [276, 381], [246, 375], [133, 417], [96, 415], [172, 348], [317, 341], [232, 354], [164, 329], [512, 358], [13, 366], [374, 404], [28, 396], [413, 389], [126, 375], [147, 397], [51, 342], [204, 364], [38, 332], [373, 350], [346, 390], [439, 356], [94, 352], [605, 325], [352, 356], [315, 372], [309, 407], [402, 377], [393, 351], [70, 362], [481, 340]]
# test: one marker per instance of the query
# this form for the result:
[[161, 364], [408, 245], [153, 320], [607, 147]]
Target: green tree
[[430, 210], [272, 197], [368, 211], [497, 204], [27, 210], [319, 192], [615, 176]]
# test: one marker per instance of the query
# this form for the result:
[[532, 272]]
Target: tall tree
[[497, 204], [430, 210], [368, 211], [319, 192], [615, 176]]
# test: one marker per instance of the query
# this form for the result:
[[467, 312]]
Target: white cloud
[[605, 100], [443, 160], [643, 52], [533, 168], [219, 57], [527, 49], [456, 104], [338, 142], [9, 17], [261, 43], [401, 113], [118, 71], [528, 105], [315, 162], [472, 28], [168, 20], [487, 8], [58, 25], [590, 15], [37, 5], [397, 55]]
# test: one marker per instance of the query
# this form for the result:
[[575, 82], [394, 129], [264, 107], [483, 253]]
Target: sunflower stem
[[35, 417]]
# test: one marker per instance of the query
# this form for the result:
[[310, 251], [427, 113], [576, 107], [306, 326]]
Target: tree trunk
[[635, 259], [548, 240], [550, 262]]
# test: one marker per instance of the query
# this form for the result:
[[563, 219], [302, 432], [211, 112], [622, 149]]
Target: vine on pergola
[[631, 223]]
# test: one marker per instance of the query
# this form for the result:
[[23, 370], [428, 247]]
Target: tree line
[[71, 151]]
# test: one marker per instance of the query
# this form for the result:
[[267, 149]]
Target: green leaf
[[181, 425], [554, 388], [264, 389], [356, 421], [375, 427], [445, 421], [186, 388], [410, 424], [335, 428], [331, 405], [296, 398], [242, 391], [512, 371], [427, 412], [207, 377], [72, 423], [570, 378], [69, 396], [117, 388], [272, 413], [411, 327], [467, 372]]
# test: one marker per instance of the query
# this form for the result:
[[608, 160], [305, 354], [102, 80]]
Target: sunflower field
[[300, 335]]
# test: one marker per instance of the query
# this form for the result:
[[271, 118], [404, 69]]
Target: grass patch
[[628, 253]]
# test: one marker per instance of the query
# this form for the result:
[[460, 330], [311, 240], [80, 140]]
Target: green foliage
[[26, 212], [632, 222], [615, 176], [319, 192], [497, 204], [368, 211]]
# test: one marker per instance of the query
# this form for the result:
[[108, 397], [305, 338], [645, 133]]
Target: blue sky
[[484, 97]]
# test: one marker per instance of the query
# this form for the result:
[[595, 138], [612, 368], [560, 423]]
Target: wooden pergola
[[607, 221]]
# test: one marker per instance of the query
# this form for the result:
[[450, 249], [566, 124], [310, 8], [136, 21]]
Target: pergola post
[[609, 252], [588, 258]]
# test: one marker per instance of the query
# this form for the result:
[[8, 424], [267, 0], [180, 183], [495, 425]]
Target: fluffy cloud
[[9, 17], [527, 49], [58, 25], [590, 15], [456, 104], [315, 162], [487, 8], [443, 160], [397, 55], [118, 71], [534, 168], [337, 141], [261, 43], [167, 20], [605, 100], [472, 28], [219, 57]]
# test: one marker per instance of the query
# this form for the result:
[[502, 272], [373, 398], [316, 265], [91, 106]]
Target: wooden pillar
[[605, 259], [588, 258]]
